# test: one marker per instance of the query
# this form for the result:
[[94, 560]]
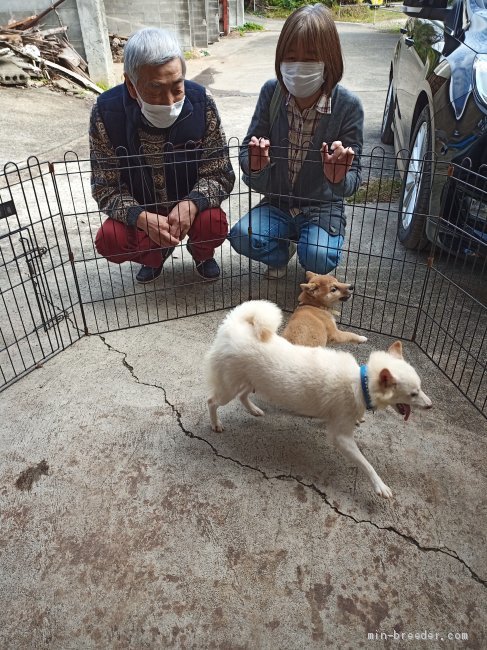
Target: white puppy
[[248, 355]]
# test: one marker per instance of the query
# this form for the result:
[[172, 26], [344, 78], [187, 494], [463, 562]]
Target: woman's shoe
[[277, 272]]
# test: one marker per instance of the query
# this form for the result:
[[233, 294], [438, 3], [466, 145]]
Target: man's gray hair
[[150, 46]]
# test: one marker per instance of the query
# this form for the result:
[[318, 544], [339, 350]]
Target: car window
[[465, 20], [455, 21]]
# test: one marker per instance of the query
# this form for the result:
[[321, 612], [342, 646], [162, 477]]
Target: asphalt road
[[238, 67]]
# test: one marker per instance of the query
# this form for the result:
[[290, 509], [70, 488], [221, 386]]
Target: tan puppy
[[312, 323]]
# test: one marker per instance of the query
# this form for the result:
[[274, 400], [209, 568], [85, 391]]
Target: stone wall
[[195, 22]]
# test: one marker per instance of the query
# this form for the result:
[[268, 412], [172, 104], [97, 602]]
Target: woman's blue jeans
[[272, 229]]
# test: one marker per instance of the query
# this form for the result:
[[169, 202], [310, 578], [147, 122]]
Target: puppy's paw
[[218, 427], [362, 339], [255, 410], [383, 490], [359, 422]]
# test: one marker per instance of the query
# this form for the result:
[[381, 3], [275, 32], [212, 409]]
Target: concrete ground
[[128, 523]]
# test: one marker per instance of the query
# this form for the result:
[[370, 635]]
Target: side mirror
[[432, 9]]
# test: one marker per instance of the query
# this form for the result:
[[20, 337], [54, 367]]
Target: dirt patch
[[31, 475]]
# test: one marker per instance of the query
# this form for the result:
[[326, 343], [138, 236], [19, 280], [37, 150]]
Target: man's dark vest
[[122, 118]]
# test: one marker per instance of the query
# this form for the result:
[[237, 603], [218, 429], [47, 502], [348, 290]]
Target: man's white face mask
[[303, 79], [159, 115]]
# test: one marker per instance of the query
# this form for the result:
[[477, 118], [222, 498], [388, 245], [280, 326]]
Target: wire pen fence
[[55, 287]]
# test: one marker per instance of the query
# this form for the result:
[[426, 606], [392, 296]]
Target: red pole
[[226, 28]]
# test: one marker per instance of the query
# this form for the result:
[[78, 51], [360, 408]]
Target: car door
[[420, 52]]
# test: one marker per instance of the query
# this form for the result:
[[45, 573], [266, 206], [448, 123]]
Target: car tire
[[416, 186], [386, 132]]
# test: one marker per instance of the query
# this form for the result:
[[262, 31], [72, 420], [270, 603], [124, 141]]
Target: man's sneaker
[[277, 272], [208, 269], [149, 273]]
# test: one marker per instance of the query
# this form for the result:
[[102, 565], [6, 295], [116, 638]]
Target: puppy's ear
[[386, 380], [396, 349], [309, 275], [309, 288]]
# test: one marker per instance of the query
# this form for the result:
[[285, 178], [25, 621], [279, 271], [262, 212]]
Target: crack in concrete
[[444, 550]]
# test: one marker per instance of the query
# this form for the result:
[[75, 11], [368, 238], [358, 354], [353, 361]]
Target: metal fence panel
[[55, 286], [39, 307]]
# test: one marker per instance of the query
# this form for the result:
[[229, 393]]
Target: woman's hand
[[258, 153], [337, 163]]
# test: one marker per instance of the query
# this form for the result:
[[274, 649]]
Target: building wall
[[197, 18], [195, 22], [236, 13], [125, 17], [213, 20]]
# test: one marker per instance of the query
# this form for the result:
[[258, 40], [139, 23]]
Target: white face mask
[[159, 115], [303, 79]]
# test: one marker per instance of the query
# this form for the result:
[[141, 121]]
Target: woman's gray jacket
[[315, 196]]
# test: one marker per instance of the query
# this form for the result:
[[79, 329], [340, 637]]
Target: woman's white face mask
[[159, 115], [303, 79]]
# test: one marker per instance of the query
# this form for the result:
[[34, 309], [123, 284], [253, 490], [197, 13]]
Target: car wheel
[[386, 132], [416, 186]]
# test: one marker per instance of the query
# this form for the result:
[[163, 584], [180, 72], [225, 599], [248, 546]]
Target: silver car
[[436, 115]]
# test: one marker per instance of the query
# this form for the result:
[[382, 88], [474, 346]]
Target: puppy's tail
[[263, 316]]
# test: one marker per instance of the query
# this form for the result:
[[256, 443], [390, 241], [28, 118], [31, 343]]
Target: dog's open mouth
[[404, 410], [344, 298]]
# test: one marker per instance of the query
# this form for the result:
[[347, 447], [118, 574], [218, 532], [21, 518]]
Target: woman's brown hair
[[312, 24]]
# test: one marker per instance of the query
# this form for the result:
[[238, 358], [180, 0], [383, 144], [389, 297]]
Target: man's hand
[[158, 228], [259, 153], [337, 163], [181, 218]]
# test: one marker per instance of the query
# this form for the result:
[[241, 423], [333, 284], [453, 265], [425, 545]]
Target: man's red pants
[[121, 243]]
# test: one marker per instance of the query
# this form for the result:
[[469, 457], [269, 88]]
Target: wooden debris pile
[[117, 43], [29, 51]]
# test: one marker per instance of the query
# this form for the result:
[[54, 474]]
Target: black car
[[436, 112]]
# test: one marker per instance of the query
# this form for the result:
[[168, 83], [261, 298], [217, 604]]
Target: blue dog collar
[[364, 380]]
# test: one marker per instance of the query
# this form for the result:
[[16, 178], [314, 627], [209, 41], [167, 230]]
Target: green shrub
[[249, 27], [288, 5], [344, 10], [375, 190], [291, 5], [282, 8]]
